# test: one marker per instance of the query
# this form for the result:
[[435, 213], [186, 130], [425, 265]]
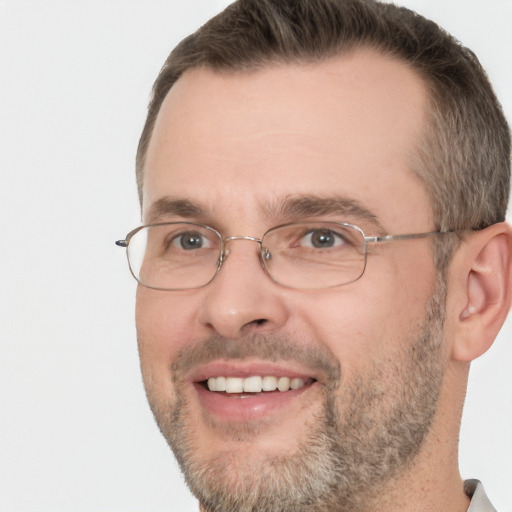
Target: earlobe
[[486, 280]]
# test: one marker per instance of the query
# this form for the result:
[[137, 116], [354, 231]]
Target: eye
[[190, 241], [323, 239]]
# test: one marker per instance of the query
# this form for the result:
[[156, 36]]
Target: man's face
[[249, 151]]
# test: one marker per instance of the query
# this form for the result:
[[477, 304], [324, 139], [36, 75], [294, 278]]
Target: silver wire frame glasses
[[306, 255]]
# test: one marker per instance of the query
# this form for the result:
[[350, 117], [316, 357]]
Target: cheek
[[371, 319], [349, 323], [165, 323]]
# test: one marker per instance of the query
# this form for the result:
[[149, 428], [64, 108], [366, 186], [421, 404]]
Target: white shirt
[[479, 500]]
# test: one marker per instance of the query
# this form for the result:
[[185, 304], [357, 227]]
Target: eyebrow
[[289, 209], [170, 206], [304, 206]]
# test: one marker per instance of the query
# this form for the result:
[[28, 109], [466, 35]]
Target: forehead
[[344, 127]]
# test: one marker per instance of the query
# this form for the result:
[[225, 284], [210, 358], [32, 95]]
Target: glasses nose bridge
[[225, 249]]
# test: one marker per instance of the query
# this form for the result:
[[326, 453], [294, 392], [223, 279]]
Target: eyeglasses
[[306, 255]]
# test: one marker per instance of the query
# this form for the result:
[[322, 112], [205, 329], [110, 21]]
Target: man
[[323, 186]]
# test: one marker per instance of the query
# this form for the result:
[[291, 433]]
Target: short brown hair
[[464, 157]]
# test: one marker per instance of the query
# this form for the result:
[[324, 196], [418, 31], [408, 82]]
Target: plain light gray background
[[75, 431]]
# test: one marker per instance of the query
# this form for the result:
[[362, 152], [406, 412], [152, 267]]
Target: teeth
[[296, 383], [269, 384], [234, 385], [283, 384], [217, 384], [254, 384]]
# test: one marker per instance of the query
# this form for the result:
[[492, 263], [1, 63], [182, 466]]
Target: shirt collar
[[479, 500]]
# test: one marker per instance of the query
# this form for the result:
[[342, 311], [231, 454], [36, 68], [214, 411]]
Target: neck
[[421, 488]]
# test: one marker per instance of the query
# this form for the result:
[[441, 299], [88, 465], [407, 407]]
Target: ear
[[481, 280]]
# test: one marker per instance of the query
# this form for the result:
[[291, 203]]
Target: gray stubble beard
[[346, 460]]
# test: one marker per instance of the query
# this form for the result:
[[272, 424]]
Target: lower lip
[[247, 407]]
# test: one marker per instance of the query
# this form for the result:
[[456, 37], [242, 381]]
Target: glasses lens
[[174, 256], [314, 255]]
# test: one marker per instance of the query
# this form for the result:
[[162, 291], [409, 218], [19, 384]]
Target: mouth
[[245, 393]]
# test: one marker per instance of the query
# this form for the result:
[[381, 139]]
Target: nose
[[242, 298]]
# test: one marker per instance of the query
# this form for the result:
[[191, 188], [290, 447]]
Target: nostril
[[254, 324]]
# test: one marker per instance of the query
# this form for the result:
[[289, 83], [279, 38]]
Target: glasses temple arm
[[411, 236]]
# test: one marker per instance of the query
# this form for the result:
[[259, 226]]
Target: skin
[[237, 144]]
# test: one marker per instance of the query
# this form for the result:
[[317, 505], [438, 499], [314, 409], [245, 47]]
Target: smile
[[240, 392], [255, 384]]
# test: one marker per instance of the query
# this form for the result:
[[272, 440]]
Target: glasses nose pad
[[223, 256], [265, 257]]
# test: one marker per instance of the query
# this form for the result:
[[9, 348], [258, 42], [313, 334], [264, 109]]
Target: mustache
[[265, 347]]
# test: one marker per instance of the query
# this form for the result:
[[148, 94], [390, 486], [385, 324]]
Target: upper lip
[[244, 369]]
